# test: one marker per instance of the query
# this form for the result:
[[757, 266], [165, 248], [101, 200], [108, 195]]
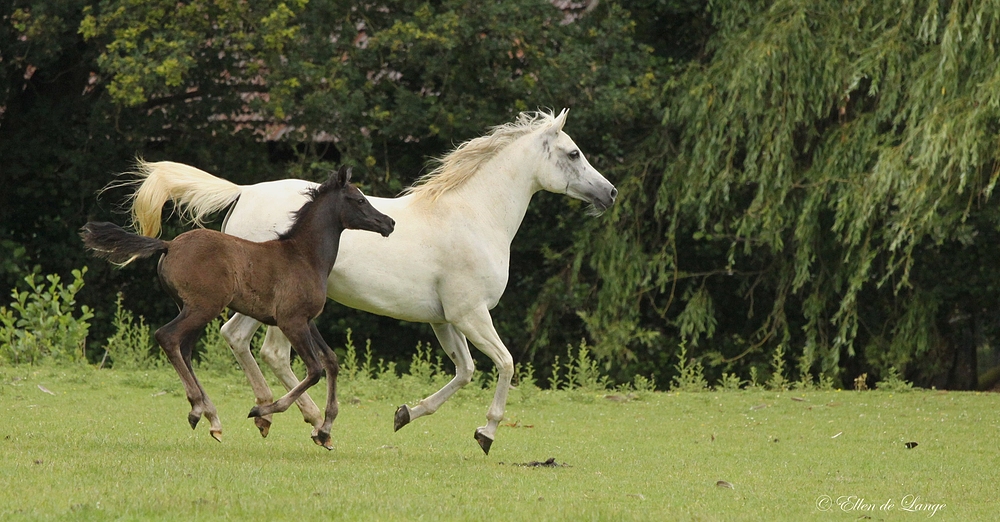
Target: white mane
[[459, 165]]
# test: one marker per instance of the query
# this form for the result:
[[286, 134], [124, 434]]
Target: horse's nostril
[[614, 193]]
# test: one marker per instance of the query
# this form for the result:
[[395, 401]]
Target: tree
[[822, 174], [260, 90]]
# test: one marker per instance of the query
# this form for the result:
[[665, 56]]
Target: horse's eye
[[574, 154]]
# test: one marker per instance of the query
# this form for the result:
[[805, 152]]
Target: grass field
[[85, 444]]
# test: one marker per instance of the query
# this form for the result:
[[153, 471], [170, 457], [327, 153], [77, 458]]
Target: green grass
[[112, 445]]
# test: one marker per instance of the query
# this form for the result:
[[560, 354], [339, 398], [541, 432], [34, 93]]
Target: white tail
[[194, 193]]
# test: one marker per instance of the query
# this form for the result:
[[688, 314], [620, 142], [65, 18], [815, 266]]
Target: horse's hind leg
[[177, 339], [276, 352], [322, 435], [302, 340], [238, 332], [455, 345]]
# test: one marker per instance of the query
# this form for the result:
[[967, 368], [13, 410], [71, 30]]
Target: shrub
[[40, 323]]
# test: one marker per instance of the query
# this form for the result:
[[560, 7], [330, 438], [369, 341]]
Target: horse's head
[[356, 212], [564, 169]]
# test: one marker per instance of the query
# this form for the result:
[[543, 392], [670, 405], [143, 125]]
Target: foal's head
[[342, 203]]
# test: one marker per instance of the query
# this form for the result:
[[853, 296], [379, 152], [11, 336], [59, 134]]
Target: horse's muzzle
[[604, 201], [386, 226]]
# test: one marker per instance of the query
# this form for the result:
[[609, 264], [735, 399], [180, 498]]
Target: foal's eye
[[574, 154]]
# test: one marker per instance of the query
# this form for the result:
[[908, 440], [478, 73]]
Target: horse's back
[[265, 210]]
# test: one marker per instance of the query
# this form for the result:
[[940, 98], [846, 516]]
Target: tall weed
[[690, 373], [215, 354], [130, 347]]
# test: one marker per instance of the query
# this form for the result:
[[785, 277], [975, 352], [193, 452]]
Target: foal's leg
[[276, 352], [304, 345], [329, 357], [455, 345], [478, 327], [238, 332], [177, 338]]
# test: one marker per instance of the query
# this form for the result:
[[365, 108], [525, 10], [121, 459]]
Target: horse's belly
[[404, 298]]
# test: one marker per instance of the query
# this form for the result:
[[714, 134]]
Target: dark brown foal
[[280, 283]]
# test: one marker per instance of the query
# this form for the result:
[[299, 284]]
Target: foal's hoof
[[323, 439], [263, 425], [484, 441], [254, 412], [216, 434], [193, 420], [402, 417]]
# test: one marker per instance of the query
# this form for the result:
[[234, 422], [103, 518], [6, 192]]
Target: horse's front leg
[[455, 345], [478, 327], [238, 332], [329, 358], [304, 345], [276, 352]]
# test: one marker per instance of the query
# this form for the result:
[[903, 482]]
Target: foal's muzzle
[[385, 226]]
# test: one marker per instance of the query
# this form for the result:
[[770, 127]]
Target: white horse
[[446, 263]]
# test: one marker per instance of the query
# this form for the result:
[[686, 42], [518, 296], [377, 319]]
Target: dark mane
[[311, 196]]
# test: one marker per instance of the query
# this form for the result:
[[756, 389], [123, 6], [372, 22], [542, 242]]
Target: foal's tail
[[194, 193], [118, 245]]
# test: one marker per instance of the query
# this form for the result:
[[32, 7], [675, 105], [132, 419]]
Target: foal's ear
[[344, 175]]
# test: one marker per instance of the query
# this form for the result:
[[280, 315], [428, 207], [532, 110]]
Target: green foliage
[[819, 166], [214, 353], [425, 365], [130, 347], [582, 371], [778, 381], [41, 325], [729, 382], [810, 175], [690, 375], [894, 382]]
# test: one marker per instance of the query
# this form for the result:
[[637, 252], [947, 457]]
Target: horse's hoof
[[484, 441], [254, 412], [216, 434], [323, 439], [193, 420], [402, 417], [263, 425]]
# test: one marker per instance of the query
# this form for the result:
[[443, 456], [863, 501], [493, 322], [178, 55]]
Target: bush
[[40, 323]]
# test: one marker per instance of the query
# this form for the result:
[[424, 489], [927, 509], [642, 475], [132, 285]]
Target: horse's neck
[[317, 239], [498, 195]]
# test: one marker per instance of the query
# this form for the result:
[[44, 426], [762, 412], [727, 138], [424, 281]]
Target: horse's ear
[[344, 175], [558, 122]]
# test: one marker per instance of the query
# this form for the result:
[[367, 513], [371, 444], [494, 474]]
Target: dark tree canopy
[[808, 177]]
